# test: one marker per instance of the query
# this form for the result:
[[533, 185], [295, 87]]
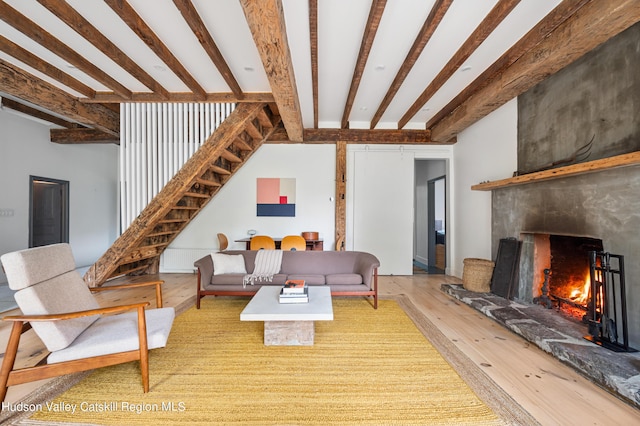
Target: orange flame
[[581, 295]]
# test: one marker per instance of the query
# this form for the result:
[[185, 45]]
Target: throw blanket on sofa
[[266, 265]]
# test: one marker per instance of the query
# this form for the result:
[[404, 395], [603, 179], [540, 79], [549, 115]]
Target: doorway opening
[[436, 225], [430, 214], [48, 211]]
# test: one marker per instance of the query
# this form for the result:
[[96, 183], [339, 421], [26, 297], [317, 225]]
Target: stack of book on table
[[294, 291]]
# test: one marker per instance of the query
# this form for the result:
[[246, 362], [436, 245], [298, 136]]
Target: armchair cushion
[[25, 268], [118, 333], [45, 287]]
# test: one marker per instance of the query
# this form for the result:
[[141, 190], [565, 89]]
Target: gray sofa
[[348, 273]]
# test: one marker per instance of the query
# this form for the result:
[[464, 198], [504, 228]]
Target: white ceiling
[[340, 30]]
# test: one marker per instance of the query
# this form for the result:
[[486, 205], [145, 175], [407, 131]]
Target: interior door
[[383, 208], [48, 221]]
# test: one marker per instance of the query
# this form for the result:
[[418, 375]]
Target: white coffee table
[[289, 324]]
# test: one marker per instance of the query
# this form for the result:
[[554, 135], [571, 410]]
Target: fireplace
[[557, 270]]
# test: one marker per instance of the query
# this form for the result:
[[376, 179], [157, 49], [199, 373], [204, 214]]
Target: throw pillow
[[228, 264]]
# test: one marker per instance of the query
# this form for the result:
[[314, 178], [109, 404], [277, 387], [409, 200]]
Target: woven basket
[[476, 275]]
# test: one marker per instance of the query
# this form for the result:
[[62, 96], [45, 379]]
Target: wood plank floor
[[553, 393]]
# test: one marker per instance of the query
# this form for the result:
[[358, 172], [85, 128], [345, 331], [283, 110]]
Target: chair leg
[[9, 358], [144, 350]]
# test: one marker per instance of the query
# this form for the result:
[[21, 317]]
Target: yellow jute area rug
[[368, 366]]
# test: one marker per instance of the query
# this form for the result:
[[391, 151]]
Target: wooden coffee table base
[[289, 333]]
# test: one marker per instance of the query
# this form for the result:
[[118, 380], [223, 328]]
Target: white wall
[[485, 151], [92, 172], [233, 209]]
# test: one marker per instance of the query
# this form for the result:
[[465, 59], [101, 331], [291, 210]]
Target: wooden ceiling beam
[[438, 11], [479, 35], [82, 136], [192, 18], [146, 34], [549, 23], [33, 112], [592, 25], [44, 67], [25, 86], [371, 28], [313, 44], [48, 41], [111, 98], [79, 24], [359, 136], [267, 24]]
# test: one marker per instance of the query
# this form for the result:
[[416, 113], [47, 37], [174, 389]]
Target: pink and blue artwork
[[276, 197]]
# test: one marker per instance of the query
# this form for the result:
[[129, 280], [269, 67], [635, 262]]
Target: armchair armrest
[[77, 314], [158, 285]]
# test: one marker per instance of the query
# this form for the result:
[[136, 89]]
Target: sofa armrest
[[205, 269], [366, 264]]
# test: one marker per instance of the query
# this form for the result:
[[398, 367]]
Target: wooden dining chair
[[265, 242], [223, 242], [293, 242]]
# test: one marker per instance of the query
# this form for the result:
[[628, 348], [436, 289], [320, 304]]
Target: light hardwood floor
[[552, 392]]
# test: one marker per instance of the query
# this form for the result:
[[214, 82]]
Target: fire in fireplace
[[569, 283]]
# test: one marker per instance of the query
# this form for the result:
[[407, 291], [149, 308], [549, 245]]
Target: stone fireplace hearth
[[618, 373]]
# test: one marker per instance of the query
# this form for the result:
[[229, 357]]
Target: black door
[[49, 207]]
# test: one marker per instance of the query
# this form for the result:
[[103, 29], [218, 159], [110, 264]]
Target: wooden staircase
[[138, 249]]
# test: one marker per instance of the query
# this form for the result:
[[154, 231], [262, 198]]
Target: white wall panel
[[156, 141]]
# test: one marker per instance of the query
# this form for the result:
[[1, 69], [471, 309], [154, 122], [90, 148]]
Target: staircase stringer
[[128, 248]]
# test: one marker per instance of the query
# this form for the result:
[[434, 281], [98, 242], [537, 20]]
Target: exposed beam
[[146, 34], [81, 136], [382, 136], [112, 98], [33, 112], [44, 38], [192, 18], [486, 27], [549, 23], [589, 27], [371, 28], [267, 24], [79, 24], [313, 41], [428, 28], [22, 85], [44, 67], [368, 136]]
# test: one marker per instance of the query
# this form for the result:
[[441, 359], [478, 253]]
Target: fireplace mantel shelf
[[623, 160]]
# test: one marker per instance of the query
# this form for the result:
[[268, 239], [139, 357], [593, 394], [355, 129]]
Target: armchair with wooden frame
[[79, 334]]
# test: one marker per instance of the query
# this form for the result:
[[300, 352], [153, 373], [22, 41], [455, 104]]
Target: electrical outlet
[[6, 212]]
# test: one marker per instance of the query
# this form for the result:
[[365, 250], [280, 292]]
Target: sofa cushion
[[236, 279], [310, 279], [342, 279], [231, 279], [228, 264]]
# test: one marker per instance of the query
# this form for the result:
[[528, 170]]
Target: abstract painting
[[276, 197]]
